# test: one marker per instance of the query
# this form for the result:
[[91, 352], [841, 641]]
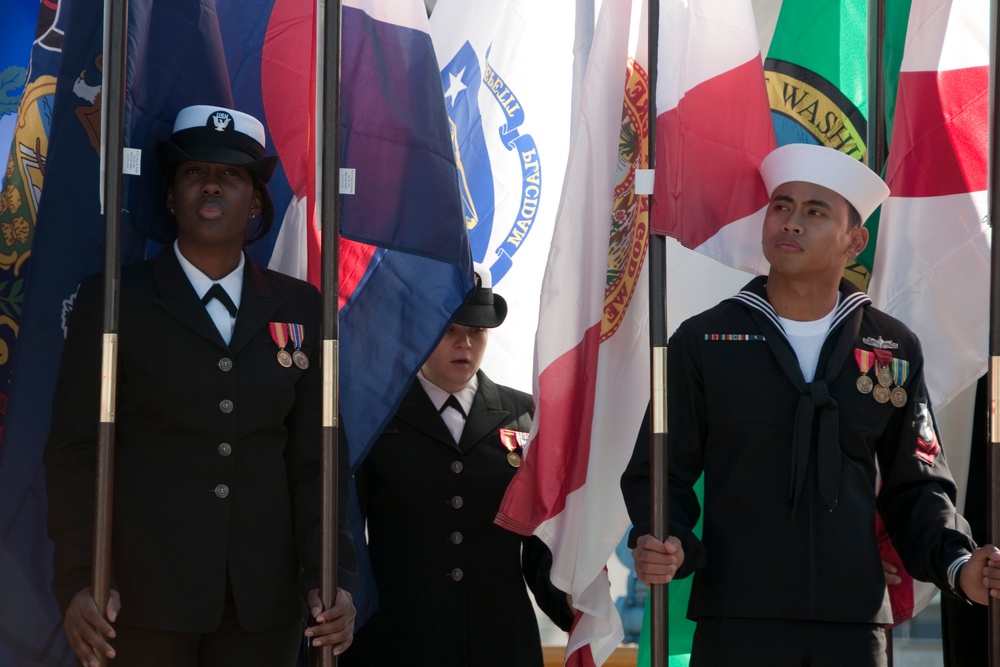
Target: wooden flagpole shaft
[[659, 601], [328, 42], [993, 452], [875, 140], [112, 133]]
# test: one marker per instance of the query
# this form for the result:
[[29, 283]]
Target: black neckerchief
[[813, 396]]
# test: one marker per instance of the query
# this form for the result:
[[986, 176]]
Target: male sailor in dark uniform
[[791, 397]]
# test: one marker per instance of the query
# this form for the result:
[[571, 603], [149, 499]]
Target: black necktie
[[452, 402], [217, 292]]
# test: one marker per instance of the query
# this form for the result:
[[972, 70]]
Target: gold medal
[[900, 371], [279, 334], [300, 359], [881, 393], [865, 360], [898, 397], [884, 376], [513, 441]]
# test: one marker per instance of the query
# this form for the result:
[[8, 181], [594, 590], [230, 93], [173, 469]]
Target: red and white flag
[[713, 128], [592, 345], [932, 258]]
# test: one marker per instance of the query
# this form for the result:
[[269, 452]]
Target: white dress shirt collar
[[232, 283]]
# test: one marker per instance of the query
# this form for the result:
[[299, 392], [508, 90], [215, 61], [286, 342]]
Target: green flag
[[817, 82]]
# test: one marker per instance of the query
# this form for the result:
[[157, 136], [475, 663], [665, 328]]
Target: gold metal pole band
[[658, 403], [330, 383], [109, 376], [994, 397]]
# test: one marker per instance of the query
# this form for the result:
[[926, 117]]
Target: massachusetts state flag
[[507, 73], [712, 130], [592, 344]]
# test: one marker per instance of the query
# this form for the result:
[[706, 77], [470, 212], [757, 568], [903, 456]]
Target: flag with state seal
[[592, 344], [507, 72], [817, 85]]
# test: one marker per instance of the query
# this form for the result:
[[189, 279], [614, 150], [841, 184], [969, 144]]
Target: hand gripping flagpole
[[993, 455], [659, 633], [328, 195], [875, 139], [112, 144]]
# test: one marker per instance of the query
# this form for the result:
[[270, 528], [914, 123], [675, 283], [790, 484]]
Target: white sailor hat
[[205, 133], [848, 177]]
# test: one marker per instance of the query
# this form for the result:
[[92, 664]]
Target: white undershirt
[[806, 339], [232, 283]]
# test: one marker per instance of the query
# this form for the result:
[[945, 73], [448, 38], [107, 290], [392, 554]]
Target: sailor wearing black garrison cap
[[451, 582]]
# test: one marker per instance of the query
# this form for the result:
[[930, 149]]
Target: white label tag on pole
[[132, 161], [346, 181], [644, 181]]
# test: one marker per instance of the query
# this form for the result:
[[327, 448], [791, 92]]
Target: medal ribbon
[[900, 371], [297, 333], [513, 440], [864, 359], [882, 358], [279, 333]]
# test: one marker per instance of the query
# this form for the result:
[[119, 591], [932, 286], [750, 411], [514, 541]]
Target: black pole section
[[659, 603], [876, 145], [328, 196], [112, 133], [993, 456]]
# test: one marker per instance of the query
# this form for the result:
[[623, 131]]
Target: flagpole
[[993, 456], [112, 144], [875, 138], [658, 607], [327, 174]]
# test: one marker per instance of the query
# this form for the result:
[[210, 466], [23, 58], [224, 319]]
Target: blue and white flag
[[507, 73]]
